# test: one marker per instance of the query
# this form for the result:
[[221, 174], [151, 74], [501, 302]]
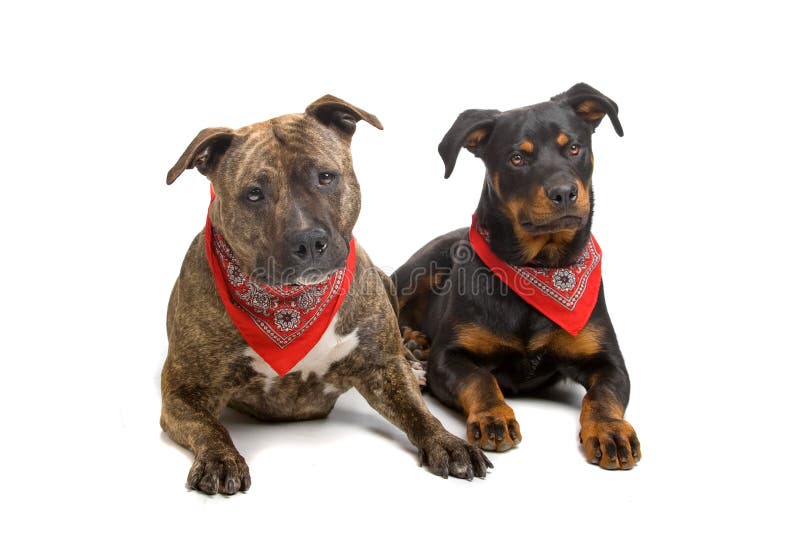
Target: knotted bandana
[[280, 323], [565, 295]]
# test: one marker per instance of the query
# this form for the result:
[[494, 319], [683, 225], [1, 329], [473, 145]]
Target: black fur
[[463, 292]]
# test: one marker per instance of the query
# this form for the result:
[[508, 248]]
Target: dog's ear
[[471, 130], [203, 152], [591, 105], [337, 113]]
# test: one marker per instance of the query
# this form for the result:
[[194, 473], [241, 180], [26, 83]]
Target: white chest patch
[[330, 348]]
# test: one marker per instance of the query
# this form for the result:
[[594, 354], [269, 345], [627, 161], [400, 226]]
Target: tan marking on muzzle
[[582, 204], [556, 247], [541, 209], [529, 245]]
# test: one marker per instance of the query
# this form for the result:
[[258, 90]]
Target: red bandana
[[281, 323], [565, 295]]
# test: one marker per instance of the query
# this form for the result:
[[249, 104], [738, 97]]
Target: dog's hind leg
[[414, 297]]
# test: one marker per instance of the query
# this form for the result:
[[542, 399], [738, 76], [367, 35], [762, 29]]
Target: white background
[[695, 213]]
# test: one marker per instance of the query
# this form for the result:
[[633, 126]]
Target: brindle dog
[[286, 202], [485, 341]]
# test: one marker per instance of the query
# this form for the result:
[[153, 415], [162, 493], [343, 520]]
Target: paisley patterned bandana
[[565, 295], [281, 323]]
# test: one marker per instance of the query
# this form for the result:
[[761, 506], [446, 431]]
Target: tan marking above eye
[[562, 139], [526, 146]]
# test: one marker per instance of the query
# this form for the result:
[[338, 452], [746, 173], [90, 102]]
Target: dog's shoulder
[[370, 304]]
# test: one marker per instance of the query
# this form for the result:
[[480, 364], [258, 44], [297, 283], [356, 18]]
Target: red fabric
[[565, 295], [281, 323]]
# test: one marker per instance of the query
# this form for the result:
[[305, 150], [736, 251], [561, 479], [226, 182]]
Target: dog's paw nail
[[466, 473], [417, 354], [411, 345]]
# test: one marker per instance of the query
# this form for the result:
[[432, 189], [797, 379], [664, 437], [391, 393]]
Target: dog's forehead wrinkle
[[254, 154], [304, 137]]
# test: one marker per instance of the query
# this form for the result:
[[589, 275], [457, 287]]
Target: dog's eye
[[516, 159], [326, 177], [574, 149], [255, 194]]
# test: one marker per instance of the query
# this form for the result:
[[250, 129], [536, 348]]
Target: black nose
[[563, 194], [309, 244]]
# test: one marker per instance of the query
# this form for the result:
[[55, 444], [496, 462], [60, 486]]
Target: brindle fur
[[485, 341], [208, 365]]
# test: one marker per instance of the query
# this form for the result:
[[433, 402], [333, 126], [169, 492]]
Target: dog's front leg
[[459, 383], [391, 388], [218, 467], [606, 437]]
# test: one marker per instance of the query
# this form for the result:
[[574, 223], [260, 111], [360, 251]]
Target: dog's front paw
[[445, 454], [495, 429], [610, 443], [219, 473]]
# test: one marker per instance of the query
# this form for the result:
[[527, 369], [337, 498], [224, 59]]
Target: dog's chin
[[302, 274], [561, 224]]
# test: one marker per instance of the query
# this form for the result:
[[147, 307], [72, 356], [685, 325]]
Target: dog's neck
[[515, 246]]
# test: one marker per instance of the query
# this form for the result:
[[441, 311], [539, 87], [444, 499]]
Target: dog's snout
[[563, 194], [309, 244]]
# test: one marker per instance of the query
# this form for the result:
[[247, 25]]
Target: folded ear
[[471, 130], [591, 105], [335, 112], [203, 152]]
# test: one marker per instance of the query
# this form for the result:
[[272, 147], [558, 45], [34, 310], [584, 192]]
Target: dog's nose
[[309, 244], [563, 194]]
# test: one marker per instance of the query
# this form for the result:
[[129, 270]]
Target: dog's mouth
[[566, 222], [312, 277], [287, 270], [290, 277]]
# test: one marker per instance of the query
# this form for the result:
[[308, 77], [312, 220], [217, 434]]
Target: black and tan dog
[[533, 220], [286, 202]]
